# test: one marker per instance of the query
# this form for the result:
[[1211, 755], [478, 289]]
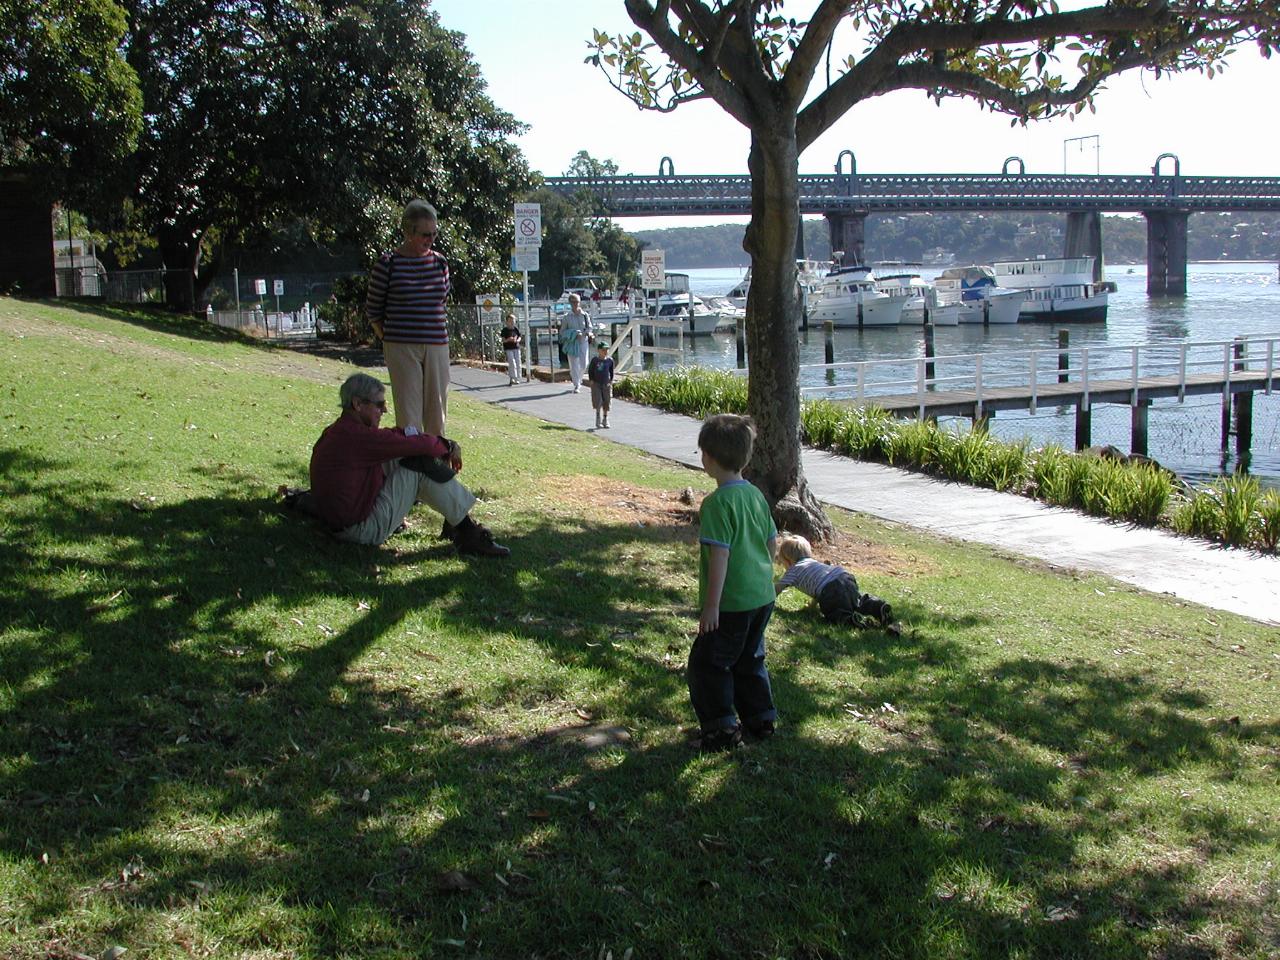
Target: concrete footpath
[[1235, 580]]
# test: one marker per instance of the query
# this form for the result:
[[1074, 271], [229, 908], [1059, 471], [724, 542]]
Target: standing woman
[[407, 291], [573, 340]]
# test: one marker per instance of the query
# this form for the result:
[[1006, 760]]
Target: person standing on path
[[511, 339], [600, 374], [574, 339], [406, 307]]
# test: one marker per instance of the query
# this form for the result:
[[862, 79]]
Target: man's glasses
[[429, 234], [380, 404]]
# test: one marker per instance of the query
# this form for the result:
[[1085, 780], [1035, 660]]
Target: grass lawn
[[223, 734]]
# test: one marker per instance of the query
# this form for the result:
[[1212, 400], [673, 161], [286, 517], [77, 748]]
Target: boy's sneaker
[[720, 741], [762, 731]]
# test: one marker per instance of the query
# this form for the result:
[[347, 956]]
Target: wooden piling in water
[[929, 352], [1064, 359], [1138, 427], [1084, 427], [740, 334]]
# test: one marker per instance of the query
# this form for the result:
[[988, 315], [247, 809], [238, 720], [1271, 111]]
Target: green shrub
[[1008, 465], [866, 433], [1269, 520], [1199, 516], [1238, 500], [912, 444], [821, 422]]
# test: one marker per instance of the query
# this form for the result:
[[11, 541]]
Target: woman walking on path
[[407, 291], [574, 334]]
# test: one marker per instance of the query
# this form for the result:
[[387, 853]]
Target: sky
[[531, 54]]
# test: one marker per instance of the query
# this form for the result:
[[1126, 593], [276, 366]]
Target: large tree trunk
[[773, 317], [180, 253]]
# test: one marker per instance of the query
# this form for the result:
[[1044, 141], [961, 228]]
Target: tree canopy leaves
[[69, 103]]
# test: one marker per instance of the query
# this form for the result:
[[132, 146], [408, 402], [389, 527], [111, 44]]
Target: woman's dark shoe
[[762, 730]]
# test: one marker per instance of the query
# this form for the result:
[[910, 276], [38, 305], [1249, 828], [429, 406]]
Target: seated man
[[362, 486]]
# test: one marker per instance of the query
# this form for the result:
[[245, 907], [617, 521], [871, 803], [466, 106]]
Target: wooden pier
[[1133, 376]]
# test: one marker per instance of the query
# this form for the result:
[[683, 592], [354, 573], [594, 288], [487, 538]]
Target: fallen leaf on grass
[[103, 604], [539, 814], [455, 881], [114, 953]]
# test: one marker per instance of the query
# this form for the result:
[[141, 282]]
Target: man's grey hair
[[416, 210], [359, 386]]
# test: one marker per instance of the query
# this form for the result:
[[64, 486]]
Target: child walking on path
[[600, 373], [511, 338], [833, 587], [737, 541]]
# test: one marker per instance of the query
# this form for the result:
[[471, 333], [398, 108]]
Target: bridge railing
[[1088, 369]]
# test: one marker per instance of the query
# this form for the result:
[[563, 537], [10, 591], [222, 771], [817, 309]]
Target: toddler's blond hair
[[793, 548]]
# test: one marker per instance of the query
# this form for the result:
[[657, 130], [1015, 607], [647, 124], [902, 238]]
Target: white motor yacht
[[900, 279], [980, 299], [1061, 290], [849, 298]]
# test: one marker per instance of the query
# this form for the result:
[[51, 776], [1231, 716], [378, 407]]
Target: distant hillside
[[981, 238]]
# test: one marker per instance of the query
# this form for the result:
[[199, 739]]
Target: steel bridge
[[632, 196], [1164, 197]]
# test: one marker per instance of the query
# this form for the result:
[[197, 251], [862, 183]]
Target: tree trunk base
[[799, 512]]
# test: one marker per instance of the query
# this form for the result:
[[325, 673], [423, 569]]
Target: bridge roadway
[[672, 195], [967, 403]]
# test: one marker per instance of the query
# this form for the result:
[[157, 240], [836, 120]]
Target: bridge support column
[[1084, 238], [1138, 427], [848, 233], [1166, 252]]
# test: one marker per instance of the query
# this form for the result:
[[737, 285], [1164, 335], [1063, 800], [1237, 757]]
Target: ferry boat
[[980, 298], [1061, 290], [848, 298]]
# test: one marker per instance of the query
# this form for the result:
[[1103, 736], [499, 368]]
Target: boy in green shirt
[[737, 538]]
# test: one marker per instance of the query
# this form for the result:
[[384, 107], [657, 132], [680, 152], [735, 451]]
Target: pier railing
[[1025, 378]]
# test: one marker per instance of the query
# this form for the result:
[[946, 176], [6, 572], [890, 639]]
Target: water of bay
[[1223, 300]]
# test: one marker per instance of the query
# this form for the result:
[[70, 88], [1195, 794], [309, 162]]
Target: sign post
[[528, 241], [278, 286]]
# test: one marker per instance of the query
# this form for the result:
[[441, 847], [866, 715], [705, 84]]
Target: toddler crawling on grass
[[833, 587]]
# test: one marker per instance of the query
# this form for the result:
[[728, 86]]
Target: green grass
[[223, 734]]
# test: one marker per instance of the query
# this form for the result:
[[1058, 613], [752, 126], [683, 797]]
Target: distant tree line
[[981, 238]]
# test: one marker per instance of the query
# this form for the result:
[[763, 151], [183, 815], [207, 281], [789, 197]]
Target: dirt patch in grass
[[620, 502]]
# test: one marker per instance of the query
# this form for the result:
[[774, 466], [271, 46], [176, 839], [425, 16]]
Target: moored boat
[[979, 297], [848, 298], [1061, 290], [901, 279]]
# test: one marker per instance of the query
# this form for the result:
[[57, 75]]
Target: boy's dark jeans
[[727, 672], [841, 602]]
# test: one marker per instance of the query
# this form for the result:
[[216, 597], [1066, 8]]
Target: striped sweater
[[407, 295]]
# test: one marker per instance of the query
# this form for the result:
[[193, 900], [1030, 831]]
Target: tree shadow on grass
[[204, 749]]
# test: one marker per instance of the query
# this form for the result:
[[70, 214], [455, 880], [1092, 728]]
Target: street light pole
[[1097, 150]]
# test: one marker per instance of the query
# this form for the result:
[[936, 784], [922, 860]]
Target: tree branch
[[705, 71], [882, 70], [804, 62]]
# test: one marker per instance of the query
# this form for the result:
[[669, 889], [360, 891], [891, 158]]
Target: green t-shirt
[[736, 516]]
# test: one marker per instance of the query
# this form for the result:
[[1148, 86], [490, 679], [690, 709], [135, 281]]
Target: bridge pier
[[848, 233], [1084, 238], [1166, 252]]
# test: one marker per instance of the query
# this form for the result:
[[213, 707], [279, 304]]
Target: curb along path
[[1234, 580]]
